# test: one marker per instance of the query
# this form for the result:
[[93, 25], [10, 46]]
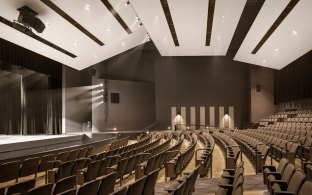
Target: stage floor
[[12, 146]]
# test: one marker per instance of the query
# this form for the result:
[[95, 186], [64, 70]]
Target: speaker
[[28, 18], [38, 25], [258, 88]]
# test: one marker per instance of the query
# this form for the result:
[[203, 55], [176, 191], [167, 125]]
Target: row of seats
[[257, 151], [286, 179], [158, 160], [203, 157], [184, 185], [119, 143], [174, 167], [282, 144], [32, 166], [229, 148], [231, 182]]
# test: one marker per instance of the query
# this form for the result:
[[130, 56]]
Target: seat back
[[21, 187], [65, 184], [43, 162], [190, 188], [150, 182], [62, 156], [137, 187], [89, 188], [121, 191], [83, 152], [68, 192], [282, 165], [296, 181], [65, 170], [80, 164], [29, 166], [288, 172], [92, 171], [45, 189], [104, 164], [90, 151], [107, 183], [306, 188], [73, 155], [180, 189], [9, 171]]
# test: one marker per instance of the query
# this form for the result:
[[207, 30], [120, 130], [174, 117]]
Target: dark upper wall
[[201, 81], [78, 98], [261, 99]]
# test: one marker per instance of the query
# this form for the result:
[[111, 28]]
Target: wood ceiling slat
[[165, 6], [211, 8]]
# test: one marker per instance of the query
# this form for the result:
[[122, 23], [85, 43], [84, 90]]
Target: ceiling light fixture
[[95, 56], [223, 16], [47, 24], [123, 43], [263, 61], [137, 18], [294, 32], [75, 43], [127, 3], [276, 49], [141, 24], [108, 28], [87, 6]]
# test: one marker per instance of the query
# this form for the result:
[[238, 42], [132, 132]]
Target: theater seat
[[266, 169], [21, 187], [285, 177], [121, 191], [305, 189], [294, 184], [45, 189]]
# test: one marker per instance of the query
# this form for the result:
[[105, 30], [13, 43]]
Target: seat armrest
[[270, 167], [284, 193], [283, 184], [228, 186], [231, 171], [170, 189], [228, 176]]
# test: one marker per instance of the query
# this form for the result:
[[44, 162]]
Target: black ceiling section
[[247, 18], [211, 9], [116, 15], [165, 6], [64, 15], [276, 24], [36, 37]]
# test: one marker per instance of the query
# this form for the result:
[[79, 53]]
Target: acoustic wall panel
[[221, 117], [202, 118], [212, 116], [183, 118], [231, 117], [173, 115], [193, 118]]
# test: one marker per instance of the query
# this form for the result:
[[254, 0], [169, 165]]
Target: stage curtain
[[294, 81]]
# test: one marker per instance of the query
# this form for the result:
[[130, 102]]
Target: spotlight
[[115, 128], [169, 127], [101, 84]]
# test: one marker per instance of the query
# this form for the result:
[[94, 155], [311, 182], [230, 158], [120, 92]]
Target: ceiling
[[176, 27]]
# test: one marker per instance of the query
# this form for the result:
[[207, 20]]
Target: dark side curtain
[[39, 110], [294, 82]]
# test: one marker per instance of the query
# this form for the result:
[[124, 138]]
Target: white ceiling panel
[[97, 20], [289, 41], [190, 21]]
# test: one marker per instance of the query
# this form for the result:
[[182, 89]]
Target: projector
[[28, 18]]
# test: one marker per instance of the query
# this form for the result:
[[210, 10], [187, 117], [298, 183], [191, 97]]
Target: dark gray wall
[[262, 102], [201, 81], [135, 111], [78, 98]]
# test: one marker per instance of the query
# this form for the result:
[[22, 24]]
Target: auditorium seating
[[231, 150], [267, 169], [203, 157]]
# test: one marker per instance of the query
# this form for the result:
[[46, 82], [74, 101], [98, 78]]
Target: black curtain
[[40, 106], [294, 82], [10, 103]]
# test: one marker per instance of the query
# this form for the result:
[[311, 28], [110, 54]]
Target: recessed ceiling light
[[294, 32], [223, 16], [75, 43], [95, 56], [87, 6], [123, 43], [108, 28], [263, 61], [219, 37], [137, 18], [47, 24], [276, 49]]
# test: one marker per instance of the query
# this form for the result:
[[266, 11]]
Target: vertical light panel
[[193, 118], [63, 102], [212, 116], [221, 117], [231, 117], [173, 115], [202, 119], [183, 118]]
